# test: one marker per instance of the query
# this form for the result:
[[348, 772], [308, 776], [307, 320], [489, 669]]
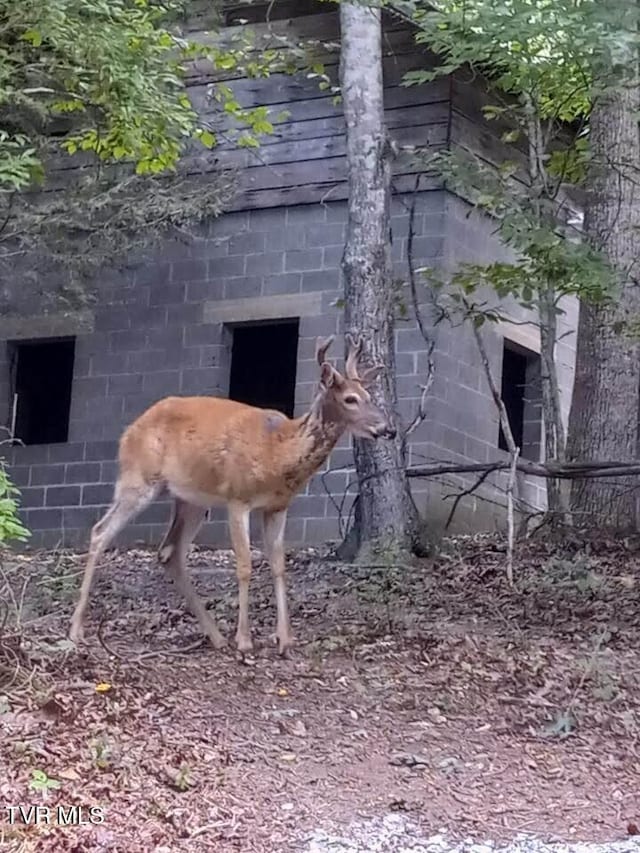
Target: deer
[[208, 451]]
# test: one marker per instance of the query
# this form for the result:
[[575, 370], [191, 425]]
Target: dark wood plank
[[308, 150], [323, 192], [318, 129]]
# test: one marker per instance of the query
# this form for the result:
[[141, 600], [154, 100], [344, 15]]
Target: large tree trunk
[[386, 518], [604, 412]]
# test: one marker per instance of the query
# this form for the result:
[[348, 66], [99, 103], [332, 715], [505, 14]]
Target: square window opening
[[521, 396], [42, 378], [264, 359]]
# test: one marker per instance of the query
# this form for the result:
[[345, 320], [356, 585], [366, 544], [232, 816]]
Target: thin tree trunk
[[386, 515], [604, 413], [554, 437]]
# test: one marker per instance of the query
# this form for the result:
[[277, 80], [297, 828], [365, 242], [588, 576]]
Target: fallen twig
[[564, 470], [138, 658]]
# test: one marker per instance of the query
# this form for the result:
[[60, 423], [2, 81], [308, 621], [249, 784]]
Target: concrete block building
[[237, 312]]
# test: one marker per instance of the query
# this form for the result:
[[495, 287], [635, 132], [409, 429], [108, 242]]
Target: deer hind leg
[[239, 530], [273, 526], [129, 501], [172, 554]]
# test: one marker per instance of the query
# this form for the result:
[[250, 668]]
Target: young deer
[[207, 451]]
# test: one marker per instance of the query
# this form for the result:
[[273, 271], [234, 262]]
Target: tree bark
[[386, 517], [604, 414], [554, 436]]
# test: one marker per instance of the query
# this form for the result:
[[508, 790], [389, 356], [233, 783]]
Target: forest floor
[[434, 693]]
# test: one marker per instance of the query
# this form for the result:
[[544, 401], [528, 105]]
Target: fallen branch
[[564, 470], [138, 658]]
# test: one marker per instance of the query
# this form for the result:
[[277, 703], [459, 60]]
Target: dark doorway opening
[[43, 379], [520, 392], [264, 357]]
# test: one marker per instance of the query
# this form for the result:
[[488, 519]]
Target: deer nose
[[386, 431]]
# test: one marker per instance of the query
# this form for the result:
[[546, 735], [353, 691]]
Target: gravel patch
[[395, 834]]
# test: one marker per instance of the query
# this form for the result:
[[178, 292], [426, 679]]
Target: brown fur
[[207, 451]]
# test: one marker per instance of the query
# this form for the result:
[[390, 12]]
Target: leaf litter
[[432, 695]]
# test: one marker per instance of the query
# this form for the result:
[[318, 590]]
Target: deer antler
[[322, 347], [355, 348]]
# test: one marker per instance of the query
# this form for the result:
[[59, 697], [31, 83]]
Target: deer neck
[[318, 433]]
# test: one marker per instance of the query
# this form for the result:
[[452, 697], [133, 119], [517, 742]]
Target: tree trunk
[[604, 412], [386, 515], [554, 437]]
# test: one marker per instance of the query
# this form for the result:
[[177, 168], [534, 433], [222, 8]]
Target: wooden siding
[[304, 160]]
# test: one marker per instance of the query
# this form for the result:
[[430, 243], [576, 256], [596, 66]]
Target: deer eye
[[351, 400]]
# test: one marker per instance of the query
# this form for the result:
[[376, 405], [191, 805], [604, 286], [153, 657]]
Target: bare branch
[[421, 412], [502, 411], [465, 493], [565, 470], [511, 445]]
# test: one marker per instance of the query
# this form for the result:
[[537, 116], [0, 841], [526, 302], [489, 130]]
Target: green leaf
[[121, 65], [226, 63], [33, 36], [248, 141], [207, 138]]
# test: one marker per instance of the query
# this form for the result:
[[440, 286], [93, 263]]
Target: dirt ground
[[432, 689]]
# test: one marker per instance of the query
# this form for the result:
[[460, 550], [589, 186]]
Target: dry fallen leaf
[[103, 687], [69, 774], [298, 728]]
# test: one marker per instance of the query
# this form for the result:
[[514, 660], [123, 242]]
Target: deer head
[[345, 400]]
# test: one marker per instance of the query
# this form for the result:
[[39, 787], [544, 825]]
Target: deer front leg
[[274, 523], [239, 530]]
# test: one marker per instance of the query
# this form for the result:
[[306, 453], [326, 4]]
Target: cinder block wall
[[159, 329]]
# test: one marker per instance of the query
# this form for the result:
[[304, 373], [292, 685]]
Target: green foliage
[[544, 62], [545, 254], [11, 528], [40, 781], [105, 70], [19, 162], [558, 53], [108, 77]]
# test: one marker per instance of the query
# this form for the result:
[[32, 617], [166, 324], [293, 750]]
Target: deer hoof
[[285, 644], [244, 643], [217, 641], [76, 634]]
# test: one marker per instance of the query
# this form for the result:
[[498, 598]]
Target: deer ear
[[367, 376], [329, 376]]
